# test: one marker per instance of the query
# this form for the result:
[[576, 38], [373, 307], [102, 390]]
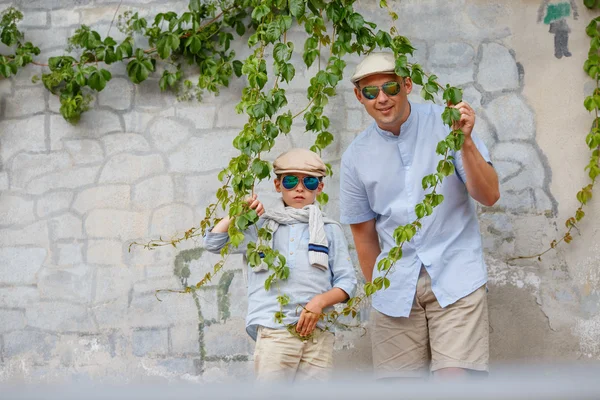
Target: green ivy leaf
[[297, 7], [355, 21]]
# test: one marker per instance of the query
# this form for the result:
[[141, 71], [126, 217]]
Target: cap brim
[[299, 171], [355, 79]]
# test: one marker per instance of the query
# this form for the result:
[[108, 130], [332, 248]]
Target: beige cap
[[301, 161], [374, 63]]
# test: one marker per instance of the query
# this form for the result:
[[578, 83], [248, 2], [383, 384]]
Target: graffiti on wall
[[556, 15]]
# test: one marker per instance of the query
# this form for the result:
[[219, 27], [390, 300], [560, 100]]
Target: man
[[434, 314]]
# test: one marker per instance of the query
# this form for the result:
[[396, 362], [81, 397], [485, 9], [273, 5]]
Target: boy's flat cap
[[302, 161], [374, 63]]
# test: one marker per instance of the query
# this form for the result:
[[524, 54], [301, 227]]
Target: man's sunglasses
[[291, 181], [390, 88]]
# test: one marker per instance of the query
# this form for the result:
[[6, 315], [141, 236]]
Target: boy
[[321, 274]]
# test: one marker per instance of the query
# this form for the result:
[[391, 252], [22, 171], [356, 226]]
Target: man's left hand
[[467, 118]]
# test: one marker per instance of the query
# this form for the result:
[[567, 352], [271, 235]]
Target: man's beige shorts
[[432, 337], [280, 356]]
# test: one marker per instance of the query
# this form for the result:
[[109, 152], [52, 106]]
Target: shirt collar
[[405, 126]]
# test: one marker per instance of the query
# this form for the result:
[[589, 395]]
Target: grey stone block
[[25, 101], [84, 151], [66, 179], [238, 342], [118, 94], [93, 124], [69, 253], [148, 95], [18, 297], [227, 117], [507, 168], [196, 156], [35, 234], [107, 196], [197, 190], [106, 252], [52, 203], [64, 18], [534, 173], [452, 75], [60, 317], [128, 168], [30, 345], [184, 339], [520, 202], [20, 265], [167, 133], [472, 96], [113, 283], [34, 19], [497, 69], [543, 201], [12, 320], [84, 350], [72, 284], [66, 226], [521, 124], [124, 225], [125, 142], [153, 192], [15, 210], [13, 140], [171, 220], [451, 54], [150, 342], [209, 304], [202, 116], [146, 311]]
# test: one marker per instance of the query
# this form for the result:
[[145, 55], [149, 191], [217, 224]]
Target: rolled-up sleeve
[[354, 202], [214, 241], [458, 164], [342, 270]]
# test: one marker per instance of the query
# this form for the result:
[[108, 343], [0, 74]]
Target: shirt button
[[291, 253], [292, 239]]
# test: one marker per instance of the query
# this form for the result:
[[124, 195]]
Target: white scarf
[[318, 246]]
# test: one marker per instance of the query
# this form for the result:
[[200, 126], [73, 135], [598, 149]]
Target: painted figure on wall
[[555, 14]]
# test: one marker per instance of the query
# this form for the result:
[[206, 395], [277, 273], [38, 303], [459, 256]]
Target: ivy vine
[[201, 37]]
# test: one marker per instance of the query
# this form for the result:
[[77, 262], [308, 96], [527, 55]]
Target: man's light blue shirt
[[381, 178], [304, 281]]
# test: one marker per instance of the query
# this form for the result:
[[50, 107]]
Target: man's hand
[[467, 118], [255, 204], [310, 316]]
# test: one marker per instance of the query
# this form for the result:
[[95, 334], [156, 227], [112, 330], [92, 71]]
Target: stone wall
[[76, 303]]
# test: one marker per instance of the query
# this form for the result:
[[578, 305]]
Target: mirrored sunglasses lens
[[370, 92], [391, 88], [289, 181], [310, 182]]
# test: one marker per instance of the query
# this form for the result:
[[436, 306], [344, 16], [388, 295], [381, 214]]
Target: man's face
[[298, 196], [388, 111]]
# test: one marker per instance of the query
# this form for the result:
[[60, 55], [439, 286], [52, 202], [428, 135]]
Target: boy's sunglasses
[[291, 181], [390, 88]]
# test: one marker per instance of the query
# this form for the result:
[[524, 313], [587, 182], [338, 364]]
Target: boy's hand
[[255, 204], [310, 316]]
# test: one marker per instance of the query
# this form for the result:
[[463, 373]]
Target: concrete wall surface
[[75, 304]]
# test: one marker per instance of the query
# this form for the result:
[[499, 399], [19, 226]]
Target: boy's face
[[298, 196]]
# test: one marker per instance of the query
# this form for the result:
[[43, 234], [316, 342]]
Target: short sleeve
[[342, 269], [458, 164], [354, 202]]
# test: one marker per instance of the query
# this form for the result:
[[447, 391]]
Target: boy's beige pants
[[280, 356]]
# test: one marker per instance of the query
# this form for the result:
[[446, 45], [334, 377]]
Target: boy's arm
[[343, 282], [313, 309], [218, 237]]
